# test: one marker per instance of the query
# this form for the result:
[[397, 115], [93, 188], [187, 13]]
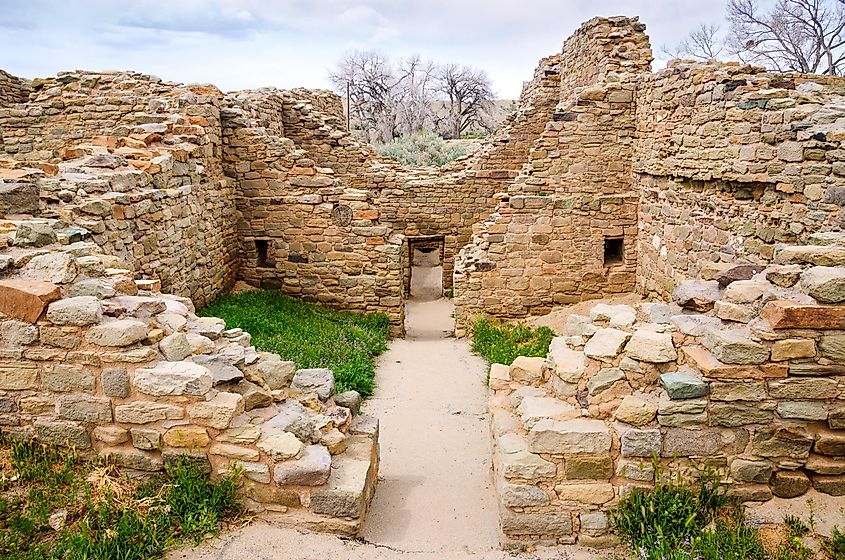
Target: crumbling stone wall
[[730, 161], [97, 361], [13, 89], [742, 375]]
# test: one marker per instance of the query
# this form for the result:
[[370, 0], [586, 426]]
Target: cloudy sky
[[238, 44]]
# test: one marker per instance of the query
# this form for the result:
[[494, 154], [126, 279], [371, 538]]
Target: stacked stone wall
[[731, 160], [13, 89]]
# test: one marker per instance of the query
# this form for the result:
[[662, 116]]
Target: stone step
[[734, 346]]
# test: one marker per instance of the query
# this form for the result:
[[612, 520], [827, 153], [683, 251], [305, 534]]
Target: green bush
[[309, 334], [501, 343], [421, 148], [107, 517], [835, 545]]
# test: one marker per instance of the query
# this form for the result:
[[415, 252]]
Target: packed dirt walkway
[[435, 486]]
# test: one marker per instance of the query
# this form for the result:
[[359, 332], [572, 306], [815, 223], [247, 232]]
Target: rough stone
[[56, 268], [63, 434], [194, 437], [217, 412], [734, 347], [649, 346], [528, 370], [278, 444], [606, 344], [789, 484], [145, 439], [738, 272], [588, 493], [569, 437], [792, 349], [604, 379], [175, 347], [78, 311], [115, 382], [683, 384], [825, 283], [254, 396], [117, 333], [635, 411], [312, 468], [276, 373], [523, 495], [144, 412], [784, 276], [317, 380], [641, 443], [173, 378], [697, 295], [85, 408], [585, 467], [747, 470]]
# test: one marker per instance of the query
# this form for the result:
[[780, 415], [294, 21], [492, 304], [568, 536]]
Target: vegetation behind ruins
[[309, 334], [501, 343], [421, 148], [56, 504]]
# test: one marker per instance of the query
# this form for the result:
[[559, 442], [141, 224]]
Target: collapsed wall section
[[13, 89], [731, 160]]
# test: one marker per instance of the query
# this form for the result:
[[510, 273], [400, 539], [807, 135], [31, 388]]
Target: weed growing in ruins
[[55, 504], [421, 148], [310, 335], [501, 343]]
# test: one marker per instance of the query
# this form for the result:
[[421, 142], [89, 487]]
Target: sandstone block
[[753, 391], [697, 295], [605, 344], [17, 376], [85, 408], [782, 314], [641, 443], [585, 467], [802, 410], [523, 495], [527, 370], [63, 434], [173, 378], [316, 380], [775, 441], [240, 435], [793, 348], [217, 412], [832, 485], [747, 470], [802, 388], [55, 268], [78, 311], [569, 364], [144, 412], [650, 346], [278, 444], [789, 484], [346, 492], [825, 283], [589, 493], [29, 234], [145, 439], [683, 384], [569, 437], [115, 382], [134, 459], [234, 452], [276, 373], [784, 276], [830, 443], [734, 347], [175, 347], [117, 332], [733, 414], [111, 435], [193, 437], [312, 468], [26, 299], [703, 442], [635, 411], [66, 378], [604, 379]]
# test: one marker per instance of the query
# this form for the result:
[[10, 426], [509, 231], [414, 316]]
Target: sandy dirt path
[[435, 488]]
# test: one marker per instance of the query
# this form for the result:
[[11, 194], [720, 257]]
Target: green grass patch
[[309, 334], [56, 505], [501, 343]]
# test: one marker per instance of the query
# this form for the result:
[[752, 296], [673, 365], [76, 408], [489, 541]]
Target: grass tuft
[[501, 343], [103, 515], [309, 334]]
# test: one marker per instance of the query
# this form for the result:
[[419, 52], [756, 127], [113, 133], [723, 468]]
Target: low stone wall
[[743, 374], [97, 361]]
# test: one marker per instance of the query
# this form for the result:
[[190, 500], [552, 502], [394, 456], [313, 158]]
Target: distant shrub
[[421, 148]]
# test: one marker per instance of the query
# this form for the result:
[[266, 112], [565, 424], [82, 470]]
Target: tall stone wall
[[731, 160], [137, 163], [580, 165], [13, 89]]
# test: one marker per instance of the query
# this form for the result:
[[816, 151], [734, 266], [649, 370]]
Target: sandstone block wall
[[743, 376], [13, 89], [731, 160]]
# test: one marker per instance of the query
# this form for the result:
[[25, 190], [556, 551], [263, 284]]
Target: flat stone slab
[[173, 378], [783, 314], [569, 436], [707, 364], [606, 344], [650, 346], [683, 385], [311, 469], [345, 494], [534, 409]]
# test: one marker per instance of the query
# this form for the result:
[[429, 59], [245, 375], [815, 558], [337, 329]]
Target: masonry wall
[[158, 198], [730, 161], [13, 89]]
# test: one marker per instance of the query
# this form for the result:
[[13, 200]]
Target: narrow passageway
[[435, 489]]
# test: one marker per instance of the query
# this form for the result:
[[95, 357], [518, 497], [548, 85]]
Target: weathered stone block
[[782, 314], [588, 467], [17, 376], [63, 434], [589, 493], [312, 468], [173, 378], [144, 412], [66, 378], [569, 437], [85, 408], [641, 443], [117, 333], [193, 437], [26, 299], [635, 411], [217, 412], [527, 370], [550, 524], [523, 495], [683, 384]]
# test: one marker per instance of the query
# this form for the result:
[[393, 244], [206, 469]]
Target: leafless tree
[[703, 43], [370, 79], [800, 35], [415, 90], [468, 93]]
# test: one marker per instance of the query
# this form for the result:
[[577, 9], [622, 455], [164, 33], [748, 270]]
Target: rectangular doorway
[[426, 264]]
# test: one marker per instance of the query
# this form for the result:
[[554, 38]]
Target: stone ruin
[[127, 200]]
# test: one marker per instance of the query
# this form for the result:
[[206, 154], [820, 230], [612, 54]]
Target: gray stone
[[65, 378], [311, 469], [34, 234], [144, 412], [99, 289], [315, 380], [641, 443], [117, 333], [802, 410], [745, 470], [569, 437], [115, 382], [703, 442], [346, 492], [604, 380], [134, 459], [548, 524], [209, 327], [56, 268], [683, 384], [77, 311], [605, 344], [175, 347], [697, 295], [733, 414], [580, 325], [293, 417], [734, 347], [523, 495], [85, 408], [773, 441], [535, 409], [278, 444], [18, 333], [145, 439], [64, 434], [222, 371], [172, 379], [695, 325], [649, 346], [349, 399], [825, 283], [660, 313]]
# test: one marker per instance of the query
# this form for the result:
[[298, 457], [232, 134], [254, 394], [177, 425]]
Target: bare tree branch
[[703, 43]]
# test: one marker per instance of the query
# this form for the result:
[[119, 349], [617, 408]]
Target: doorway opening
[[426, 264]]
